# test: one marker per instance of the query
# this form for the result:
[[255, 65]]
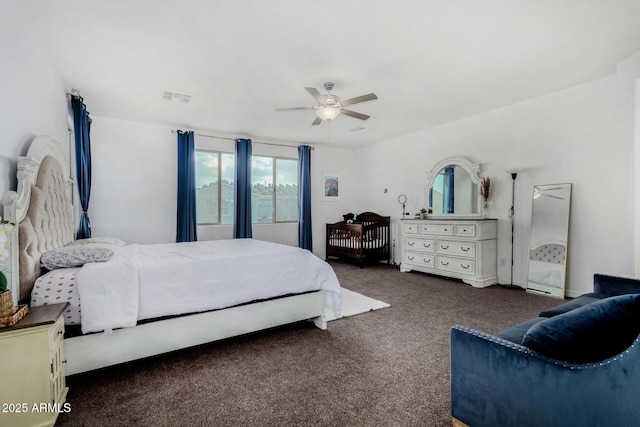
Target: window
[[215, 172], [274, 194], [275, 189]]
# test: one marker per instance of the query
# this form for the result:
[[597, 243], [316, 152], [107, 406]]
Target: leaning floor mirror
[[548, 239]]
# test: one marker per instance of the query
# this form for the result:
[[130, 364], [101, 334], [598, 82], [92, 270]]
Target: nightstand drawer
[[56, 335]]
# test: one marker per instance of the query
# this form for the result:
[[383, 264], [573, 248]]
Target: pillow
[[591, 333], [572, 304], [98, 241], [67, 257]]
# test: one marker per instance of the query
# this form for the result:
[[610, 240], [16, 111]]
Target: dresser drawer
[[456, 265], [414, 244], [465, 230], [410, 228], [437, 229], [419, 259], [466, 249]]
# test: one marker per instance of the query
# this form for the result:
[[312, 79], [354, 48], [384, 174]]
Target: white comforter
[[149, 281]]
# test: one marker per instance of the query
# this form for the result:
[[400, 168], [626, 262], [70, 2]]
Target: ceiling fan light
[[328, 113]]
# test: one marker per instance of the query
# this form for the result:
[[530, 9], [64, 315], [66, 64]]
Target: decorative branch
[[485, 189]]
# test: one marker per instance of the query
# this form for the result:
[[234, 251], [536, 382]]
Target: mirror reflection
[[453, 192], [548, 239], [453, 189]]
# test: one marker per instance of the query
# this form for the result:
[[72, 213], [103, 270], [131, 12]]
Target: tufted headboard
[[43, 209], [553, 253]]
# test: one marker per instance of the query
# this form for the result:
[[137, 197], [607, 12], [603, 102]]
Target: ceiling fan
[[329, 105]]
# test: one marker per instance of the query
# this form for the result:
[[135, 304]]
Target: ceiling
[[430, 62]]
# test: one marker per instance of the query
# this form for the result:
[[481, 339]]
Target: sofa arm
[[613, 285], [496, 382]]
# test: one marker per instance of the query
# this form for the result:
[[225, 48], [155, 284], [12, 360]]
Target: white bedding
[[149, 281], [547, 273]]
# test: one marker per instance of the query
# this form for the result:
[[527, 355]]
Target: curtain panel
[[304, 197], [242, 206], [448, 190], [187, 222], [82, 128]]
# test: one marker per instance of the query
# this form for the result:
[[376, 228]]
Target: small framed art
[[331, 186]]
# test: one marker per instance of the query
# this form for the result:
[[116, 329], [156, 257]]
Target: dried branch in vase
[[485, 189]]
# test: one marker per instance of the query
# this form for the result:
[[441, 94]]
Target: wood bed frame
[[92, 351], [365, 240]]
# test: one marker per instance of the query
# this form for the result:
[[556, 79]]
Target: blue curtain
[[448, 190], [242, 209], [304, 197], [82, 128], [187, 222]]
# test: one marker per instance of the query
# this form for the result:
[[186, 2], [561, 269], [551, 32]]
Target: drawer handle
[[60, 332], [464, 230], [466, 267], [426, 245], [410, 258], [444, 247], [444, 263], [445, 229], [427, 261], [465, 249], [409, 243]]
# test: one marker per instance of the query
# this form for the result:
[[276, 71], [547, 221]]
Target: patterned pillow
[[67, 257]]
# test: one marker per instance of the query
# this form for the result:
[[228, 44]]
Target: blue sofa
[[577, 364]]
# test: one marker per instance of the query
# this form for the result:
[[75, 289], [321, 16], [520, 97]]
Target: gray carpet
[[383, 368]]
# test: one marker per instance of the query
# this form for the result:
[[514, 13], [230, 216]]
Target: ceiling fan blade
[[354, 114], [357, 99], [317, 121], [317, 95], [294, 108]]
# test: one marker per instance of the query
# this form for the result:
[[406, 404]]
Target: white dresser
[[463, 249]]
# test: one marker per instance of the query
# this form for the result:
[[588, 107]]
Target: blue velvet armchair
[[497, 381]]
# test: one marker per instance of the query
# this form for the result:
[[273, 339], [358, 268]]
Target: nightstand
[[33, 389]]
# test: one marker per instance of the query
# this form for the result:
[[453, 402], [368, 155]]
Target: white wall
[[568, 136], [134, 184], [33, 100]]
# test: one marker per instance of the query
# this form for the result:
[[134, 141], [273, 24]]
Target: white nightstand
[[33, 389]]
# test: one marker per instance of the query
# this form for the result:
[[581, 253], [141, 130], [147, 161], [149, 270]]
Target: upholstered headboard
[[43, 209]]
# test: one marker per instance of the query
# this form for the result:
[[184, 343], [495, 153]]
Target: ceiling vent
[[171, 96]]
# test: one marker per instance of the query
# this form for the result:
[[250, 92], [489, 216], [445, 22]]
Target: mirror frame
[[562, 239], [473, 169]]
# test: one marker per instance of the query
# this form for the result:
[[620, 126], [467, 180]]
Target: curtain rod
[[233, 139]]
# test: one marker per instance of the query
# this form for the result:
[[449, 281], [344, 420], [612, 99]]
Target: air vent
[[358, 129], [175, 96]]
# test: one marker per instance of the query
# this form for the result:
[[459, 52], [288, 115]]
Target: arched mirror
[[548, 239], [453, 189]]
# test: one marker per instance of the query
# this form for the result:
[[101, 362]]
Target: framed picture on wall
[[331, 186]]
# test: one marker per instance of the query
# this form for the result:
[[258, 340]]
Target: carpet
[[354, 303]]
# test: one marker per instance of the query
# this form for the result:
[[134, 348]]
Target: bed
[[363, 239], [143, 300]]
